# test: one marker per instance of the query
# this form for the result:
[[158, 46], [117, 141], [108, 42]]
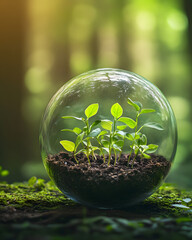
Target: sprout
[[111, 135]]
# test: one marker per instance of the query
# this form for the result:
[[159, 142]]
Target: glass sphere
[[108, 138]]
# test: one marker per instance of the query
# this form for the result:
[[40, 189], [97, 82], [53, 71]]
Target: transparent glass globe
[[113, 185]]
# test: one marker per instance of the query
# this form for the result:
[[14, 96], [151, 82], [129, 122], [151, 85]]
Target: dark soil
[[103, 186]]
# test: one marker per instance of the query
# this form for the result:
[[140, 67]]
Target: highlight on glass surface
[[108, 138]]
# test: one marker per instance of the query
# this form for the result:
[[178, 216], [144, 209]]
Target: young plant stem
[[102, 153], [129, 157], [75, 158], [88, 141], [110, 148], [109, 156], [133, 162], [88, 157], [110, 141], [104, 158], [134, 140], [101, 149], [115, 157]]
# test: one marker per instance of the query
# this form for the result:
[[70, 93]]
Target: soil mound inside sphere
[[107, 186]]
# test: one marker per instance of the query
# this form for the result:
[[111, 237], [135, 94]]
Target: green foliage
[[162, 214], [111, 136], [139, 140], [3, 173], [83, 135], [36, 182], [116, 111], [91, 110], [68, 145]]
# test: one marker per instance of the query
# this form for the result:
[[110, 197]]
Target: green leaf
[[187, 200], [81, 151], [85, 129], [105, 143], [183, 220], [119, 143], [116, 147], [152, 148], [107, 135], [121, 133], [4, 173], [136, 150], [150, 151], [95, 124], [122, 127], [133, 136], [106, 149], [115, 138], [94, 148], [146, 156], [91, 110], [94, 133], [129, 137], [68, 145], [144, 147], [147, 110], [137, 105], [128, 121], [142, 140], [153, 125], [32, 181], [67, 130], [79, 140], [179, 205], [136, 135], [102, 133], [85, 143], [116, 110], [77, 130], [72, 117], [106, 124]]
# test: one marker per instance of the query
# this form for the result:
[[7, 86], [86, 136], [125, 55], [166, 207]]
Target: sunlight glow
[[177, 20], [36, 80], [146, 20]]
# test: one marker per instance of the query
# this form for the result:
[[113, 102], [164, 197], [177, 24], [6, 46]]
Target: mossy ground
[[36, 205]]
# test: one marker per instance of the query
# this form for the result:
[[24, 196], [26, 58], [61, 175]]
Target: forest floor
[[38, 210]]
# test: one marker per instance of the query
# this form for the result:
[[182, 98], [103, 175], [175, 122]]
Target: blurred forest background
[[45, 43]]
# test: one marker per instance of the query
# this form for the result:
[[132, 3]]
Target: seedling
[[139, 140], [111, 135], [83, 135]]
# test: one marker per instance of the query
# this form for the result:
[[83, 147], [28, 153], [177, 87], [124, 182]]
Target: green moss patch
[[36, 205], [38, 195]]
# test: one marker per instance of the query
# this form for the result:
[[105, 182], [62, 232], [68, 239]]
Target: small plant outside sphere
[[108, 138]]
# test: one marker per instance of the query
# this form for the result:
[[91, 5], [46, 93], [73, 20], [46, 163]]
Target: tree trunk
[[12, 46]]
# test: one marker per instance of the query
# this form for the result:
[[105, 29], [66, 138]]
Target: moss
[[38, 195], [39, 209], [170, 200]]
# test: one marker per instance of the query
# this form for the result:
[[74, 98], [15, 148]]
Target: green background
[[44, 43]]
